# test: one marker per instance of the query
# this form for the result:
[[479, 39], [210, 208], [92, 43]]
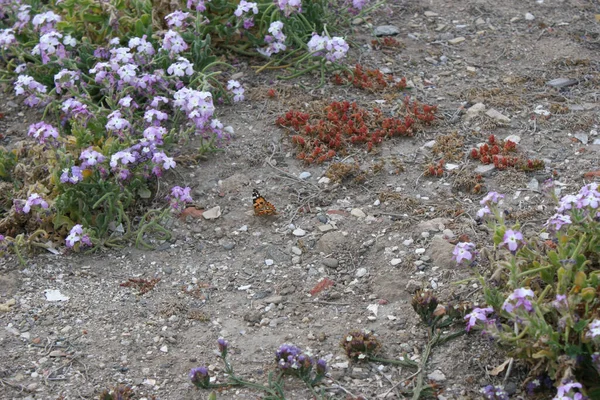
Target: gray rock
[[274, 299], [437, 376], [582, 137], [330, 241], [497, 115], [330, 262], [386, 30], [457, 40], [485, 170], [440, 252], [304, 175], [533, 184], [412, 286], [228, 245], [474, 111], [361, 272], [562, 82], [435, 224]]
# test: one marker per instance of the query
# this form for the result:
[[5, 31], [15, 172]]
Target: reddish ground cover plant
[[321, 136], [503, 154], [369, 79]]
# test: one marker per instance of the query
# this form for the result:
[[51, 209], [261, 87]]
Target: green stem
[[404, 363]]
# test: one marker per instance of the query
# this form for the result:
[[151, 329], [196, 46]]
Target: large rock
[[440, 252], [330, 242]]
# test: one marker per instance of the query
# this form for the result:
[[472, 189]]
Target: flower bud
[[588, 294]]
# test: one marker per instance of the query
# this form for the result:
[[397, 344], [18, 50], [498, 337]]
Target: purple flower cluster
[[519, 299], [177, 19], [491, 392], [49, 45], [65, 79], [359, 4], [569, 391], [275, 41], [291, 360], [178, 199], [33, 200], [594, 329], [245, 7], [198, 5], [77, 235], [587, 198], [7, 38], [236, 88], [45, 22], [490, 199], [27, 86], [76, 110], [513, 240], [73, 175], [43, 132], [334, 48], [90, 158], [289, 6]]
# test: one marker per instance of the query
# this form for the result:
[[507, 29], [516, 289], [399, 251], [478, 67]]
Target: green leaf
[[144, 193], [579, 326]]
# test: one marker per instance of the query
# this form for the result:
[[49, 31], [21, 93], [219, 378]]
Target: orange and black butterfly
[[262, 206]]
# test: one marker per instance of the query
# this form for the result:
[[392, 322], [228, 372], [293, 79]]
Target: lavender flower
[[90, 158], [321, 367], [491, 197], [289, 6], [43, 132], [23, 18], [48, 45], [462, 251], [173, 43], [248, 23], [27, 86], [485, 210], [181, 68], [567, 391], [73, 175], [557, 221], [244, 7], [594, 329], [336, 49], [77, 235], [7, 38], [478, 314], [32, 201], [290, 359], [197, 4], [491, 392], [177, 19], [566, 203], [518, 299], [275, 41], [116, 123], [223, 344], [141, 45], [512, 240], [359, 4], [199, 377], [155, 116], [45, 22], [65, 79], [237, 89], [154, 134]]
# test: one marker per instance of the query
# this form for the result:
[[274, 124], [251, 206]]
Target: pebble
[[13, 330], [361, 272], [376, 203], [212, 213], [324, 180], [479, 21], [386, 30], [26, 335], [408, 242], [533, 184], [474, 110], [457, 40], [485, 170], [273, 300], [299, 232], [529, 17], [357, 212], [164, 349], [497, 115], [451, 167], [326, 228], [582, 137], [269, 262], [304, 175], [395, 261], [412, 286], [330, 262], [431, 14], [228, 245], [420, 250], [296, 250], [436, 376], [168, 270], [562, 82]]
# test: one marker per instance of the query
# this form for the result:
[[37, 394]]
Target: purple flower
[[594, 329], [321, 366], [512, 239], [76, 110], [177, 19], [290, 359], [42, 132], [141, 45], [65, 79], [157, 100], [181, 68], [23, 18], [174, 43], [462, 251], [289, 6], [76, 235], [485, 210], [7, 38], [491, 392], [199, 377], [223, 344], [478, 314], [336, 49], [34, 200], [27, 86], [49, 45], [125, 157], [45, 22], [518, 299], [566, 203], [567, 391], [491, 197], [557, 221], [248, 23], [155, 116], [196, 4], [359, 4], [237, 89], [74, 177], [90, 157], [560, 302], [275, 41], [244, 7], [116, 123]]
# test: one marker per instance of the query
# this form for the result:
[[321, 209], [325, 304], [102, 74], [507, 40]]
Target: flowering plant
[[543, 296]]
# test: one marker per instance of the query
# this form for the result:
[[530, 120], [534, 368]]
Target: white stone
[[269, 262], [529, 17], [212, 213], [361, 272], [513, 138], [451, 167], [497, 115], [304, 175], [324, 180], [408, 242], [299, 232], [164, 349], [357, 212], [395, 261], [420, 250]]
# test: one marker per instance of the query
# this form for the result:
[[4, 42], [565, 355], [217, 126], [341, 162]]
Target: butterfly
[[261, 206]]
